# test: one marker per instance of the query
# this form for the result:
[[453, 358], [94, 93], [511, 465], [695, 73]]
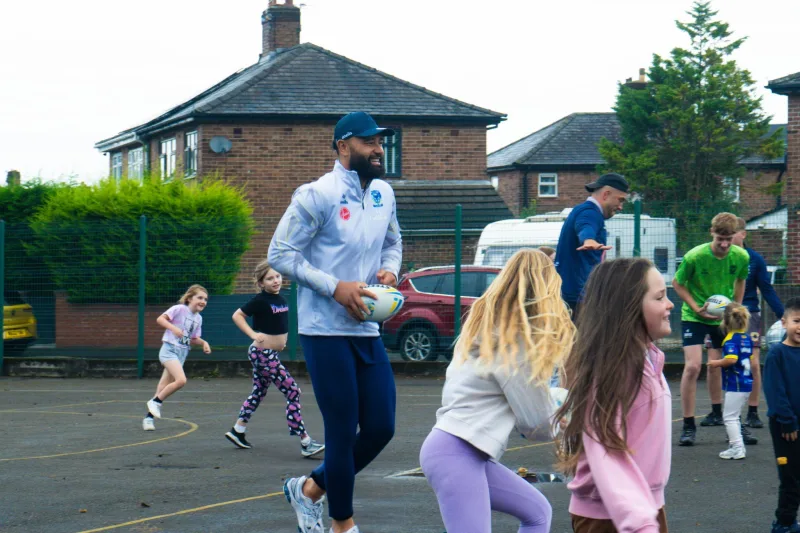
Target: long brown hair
[[605, 367], [191, 292], [521, 310]]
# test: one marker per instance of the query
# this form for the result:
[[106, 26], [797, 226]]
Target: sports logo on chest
[[376, 198]]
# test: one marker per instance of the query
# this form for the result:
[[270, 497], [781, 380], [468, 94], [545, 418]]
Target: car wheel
[[418, 344]]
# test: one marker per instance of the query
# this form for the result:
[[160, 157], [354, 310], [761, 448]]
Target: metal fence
[[95, 290]]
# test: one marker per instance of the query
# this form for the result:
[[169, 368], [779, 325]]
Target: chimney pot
[[641, 75]]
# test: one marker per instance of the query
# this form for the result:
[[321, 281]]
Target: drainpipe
[[525, 198]]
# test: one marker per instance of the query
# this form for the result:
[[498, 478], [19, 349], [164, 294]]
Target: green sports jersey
[[703, 274]]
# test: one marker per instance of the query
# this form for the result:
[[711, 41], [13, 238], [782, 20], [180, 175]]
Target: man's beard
[[366, 170]]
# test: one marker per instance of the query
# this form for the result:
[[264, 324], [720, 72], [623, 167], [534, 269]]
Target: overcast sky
[[75, 72]]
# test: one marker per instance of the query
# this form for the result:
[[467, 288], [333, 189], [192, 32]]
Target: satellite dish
[[220, 145]]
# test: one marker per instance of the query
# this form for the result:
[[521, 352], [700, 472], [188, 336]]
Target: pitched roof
[[570, 141], [573, 140], [430, 206], [309, 81], [755, 160], [785, 85]]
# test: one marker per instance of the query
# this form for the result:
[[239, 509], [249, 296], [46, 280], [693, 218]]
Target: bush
[[25, 269], [196, 233]]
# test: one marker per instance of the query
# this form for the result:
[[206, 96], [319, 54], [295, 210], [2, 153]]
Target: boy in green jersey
[[717, 267]]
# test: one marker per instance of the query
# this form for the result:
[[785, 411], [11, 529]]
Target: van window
[[499, 255], [661, 259]]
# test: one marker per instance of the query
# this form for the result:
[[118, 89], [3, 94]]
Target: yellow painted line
[[192, 427], [185, 511], [39, 407]]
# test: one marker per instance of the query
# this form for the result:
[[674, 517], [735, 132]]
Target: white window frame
[[554, 184], [495, 181], [393, 154], [190, 154], [732, 188], [168, 157], [116, 165], [136, 163]]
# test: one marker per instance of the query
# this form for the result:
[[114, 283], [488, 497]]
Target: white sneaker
[[147, 424], [154, 408], [353, 529], [733, 453], [313, 448], [309, 514]]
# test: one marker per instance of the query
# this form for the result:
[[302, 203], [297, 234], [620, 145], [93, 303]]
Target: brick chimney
[[13, 177], [280, 27]]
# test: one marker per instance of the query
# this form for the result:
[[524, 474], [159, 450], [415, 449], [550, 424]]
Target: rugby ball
[[715, 305], [388, 303], [775, 333]]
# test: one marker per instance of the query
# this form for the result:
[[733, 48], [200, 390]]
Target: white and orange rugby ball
[[388, 303]]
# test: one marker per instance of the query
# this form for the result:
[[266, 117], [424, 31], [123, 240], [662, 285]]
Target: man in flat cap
[[582, 243]]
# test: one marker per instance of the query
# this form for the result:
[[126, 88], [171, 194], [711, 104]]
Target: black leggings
[[787, 454]]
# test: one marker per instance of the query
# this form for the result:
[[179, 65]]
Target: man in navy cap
[[582, 243], [339, 234]]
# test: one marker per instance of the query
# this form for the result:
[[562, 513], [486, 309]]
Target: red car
[[424, 327]]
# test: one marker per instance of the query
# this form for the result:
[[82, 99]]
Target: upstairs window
[[136, 163], [548, 185], [190, 155], [168, 157], [116, 166], [392, 155]]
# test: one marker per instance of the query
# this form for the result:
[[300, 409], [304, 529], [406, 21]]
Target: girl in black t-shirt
[[270, 314]]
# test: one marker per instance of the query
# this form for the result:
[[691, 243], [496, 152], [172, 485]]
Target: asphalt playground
[[74, 459]]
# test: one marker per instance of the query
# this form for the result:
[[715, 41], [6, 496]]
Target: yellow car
[[19, 324]]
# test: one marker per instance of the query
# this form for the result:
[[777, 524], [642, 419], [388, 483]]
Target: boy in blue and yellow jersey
[[737, 375]]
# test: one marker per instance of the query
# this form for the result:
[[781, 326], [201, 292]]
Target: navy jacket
[[585, 221], [781, 386], [758, 278]]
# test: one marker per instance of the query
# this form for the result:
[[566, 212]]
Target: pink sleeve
[[172, 312], [622, 487]]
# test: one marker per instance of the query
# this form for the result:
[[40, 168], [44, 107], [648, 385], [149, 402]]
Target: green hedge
[[196, 233], [25, 271]]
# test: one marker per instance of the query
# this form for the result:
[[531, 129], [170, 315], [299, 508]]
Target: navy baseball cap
[[615, 181], [358, 124]]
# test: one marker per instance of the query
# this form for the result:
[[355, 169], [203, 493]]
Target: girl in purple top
[[270, 315], [183, 327]]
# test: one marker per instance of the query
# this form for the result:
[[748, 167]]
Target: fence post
[[292, 321], [2, 287], [142, 259], [457, 315], [637, 226]]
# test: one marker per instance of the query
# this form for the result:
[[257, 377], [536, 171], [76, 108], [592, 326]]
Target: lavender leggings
[[469, 486]]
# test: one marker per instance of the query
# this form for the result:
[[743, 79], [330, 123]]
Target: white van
[[499, 240]]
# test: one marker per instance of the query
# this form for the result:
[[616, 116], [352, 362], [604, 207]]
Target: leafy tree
[[690, 124]]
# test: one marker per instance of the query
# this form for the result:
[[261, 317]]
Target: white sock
[[305, 441], [239, 429]]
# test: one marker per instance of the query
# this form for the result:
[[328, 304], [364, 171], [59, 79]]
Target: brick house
[[789, 86], [273, 122], [550, 167]]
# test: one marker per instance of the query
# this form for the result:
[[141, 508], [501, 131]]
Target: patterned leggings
[[268, 367]]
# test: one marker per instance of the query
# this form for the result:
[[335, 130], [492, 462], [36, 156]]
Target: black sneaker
[[747, 438], [238, 439], [753, 421], [687, 436], [712, 419]]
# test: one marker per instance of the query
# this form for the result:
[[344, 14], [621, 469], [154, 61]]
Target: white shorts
[[171, 352]]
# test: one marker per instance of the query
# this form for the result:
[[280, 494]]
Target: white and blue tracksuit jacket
[[332, 231]]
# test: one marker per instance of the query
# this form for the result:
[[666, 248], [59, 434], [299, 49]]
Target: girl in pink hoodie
[[617, 441]]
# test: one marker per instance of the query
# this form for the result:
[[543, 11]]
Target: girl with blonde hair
[[515, 335], [183, 326], [737, 375], [270, 314]]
